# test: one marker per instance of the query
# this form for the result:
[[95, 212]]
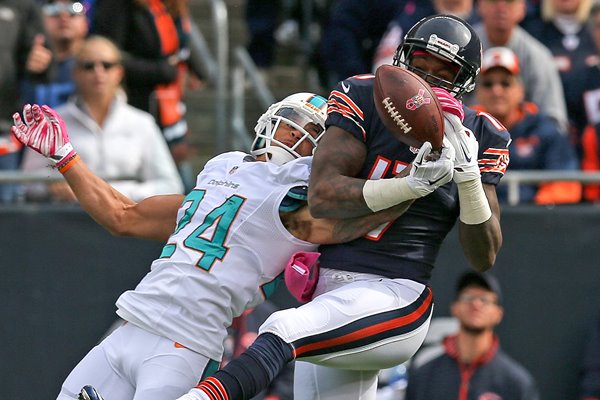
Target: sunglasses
[[55, 9], [488, 84], [469, 298], [91, 65]]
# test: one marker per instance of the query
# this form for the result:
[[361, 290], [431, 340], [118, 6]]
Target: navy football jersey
[[407, 247]]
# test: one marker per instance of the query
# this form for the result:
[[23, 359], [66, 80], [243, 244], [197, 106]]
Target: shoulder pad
[[294, 199]]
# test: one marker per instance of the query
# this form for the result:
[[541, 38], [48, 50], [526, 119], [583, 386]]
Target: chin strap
[[278, 156]]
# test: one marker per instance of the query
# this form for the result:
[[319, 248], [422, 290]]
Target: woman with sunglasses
[[116, 140]]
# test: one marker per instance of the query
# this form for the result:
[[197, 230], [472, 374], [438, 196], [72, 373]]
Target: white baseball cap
[[500, 57]]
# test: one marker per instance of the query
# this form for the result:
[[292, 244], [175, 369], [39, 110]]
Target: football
[[408, 107]]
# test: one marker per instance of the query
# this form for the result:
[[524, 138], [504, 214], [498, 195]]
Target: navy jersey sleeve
[[350, 104], [493, 141]]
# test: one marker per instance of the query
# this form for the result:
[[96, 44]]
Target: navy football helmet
[[449, 38]]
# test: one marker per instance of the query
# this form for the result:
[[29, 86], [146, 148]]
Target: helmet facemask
[[450, 39], [297, 111]]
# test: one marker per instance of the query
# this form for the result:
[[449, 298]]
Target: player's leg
[[97, 369], [366, 324], [168, 370], [132, 363], [313, 381]]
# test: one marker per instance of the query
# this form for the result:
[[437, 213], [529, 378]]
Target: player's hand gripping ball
[[408, 107]]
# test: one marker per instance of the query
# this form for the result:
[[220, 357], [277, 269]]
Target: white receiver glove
[[466, 166], [474, 206], [428, 172]]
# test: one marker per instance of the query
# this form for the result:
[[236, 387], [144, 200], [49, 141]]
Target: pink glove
[[449, 103], [302, 274], [45, 132]]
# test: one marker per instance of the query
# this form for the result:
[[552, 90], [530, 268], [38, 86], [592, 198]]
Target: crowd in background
[[554, 121], [560, 77], [126, 103], [557, 44]]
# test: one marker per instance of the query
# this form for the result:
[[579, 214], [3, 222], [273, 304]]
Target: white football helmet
[[297, 111]]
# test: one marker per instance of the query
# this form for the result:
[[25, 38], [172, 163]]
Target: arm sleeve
[[295, 198], [494, 139], [348, 103]]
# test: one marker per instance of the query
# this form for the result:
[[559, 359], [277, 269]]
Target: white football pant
[[134, 364], [355, 325]]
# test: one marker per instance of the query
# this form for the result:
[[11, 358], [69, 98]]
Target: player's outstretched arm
[[481, 242], [479, 227], [42, 129], [152, 218], [334, 193], [304, 226], [413, 182]]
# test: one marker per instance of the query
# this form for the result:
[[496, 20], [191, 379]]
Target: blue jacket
[[352, 33], [537, 144], [493, 376]]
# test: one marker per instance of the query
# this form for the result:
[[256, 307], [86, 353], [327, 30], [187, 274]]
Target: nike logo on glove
[[432, 183], [465, 153]]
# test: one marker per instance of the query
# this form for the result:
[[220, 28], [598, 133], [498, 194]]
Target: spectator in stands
[[563, 25], [286, 23], [499, 27], [590, 369], [472, 365], [116, 140], [351, 34], [262, 17], [589, 145], [153, 35], [533, 10], [537, 143], [410, 15], [66, 27], [22, 55]]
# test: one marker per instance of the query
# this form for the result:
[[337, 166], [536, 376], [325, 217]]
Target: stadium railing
[[244, 76], [512, 179]]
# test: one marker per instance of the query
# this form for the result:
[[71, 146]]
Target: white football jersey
[[226, 254]]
